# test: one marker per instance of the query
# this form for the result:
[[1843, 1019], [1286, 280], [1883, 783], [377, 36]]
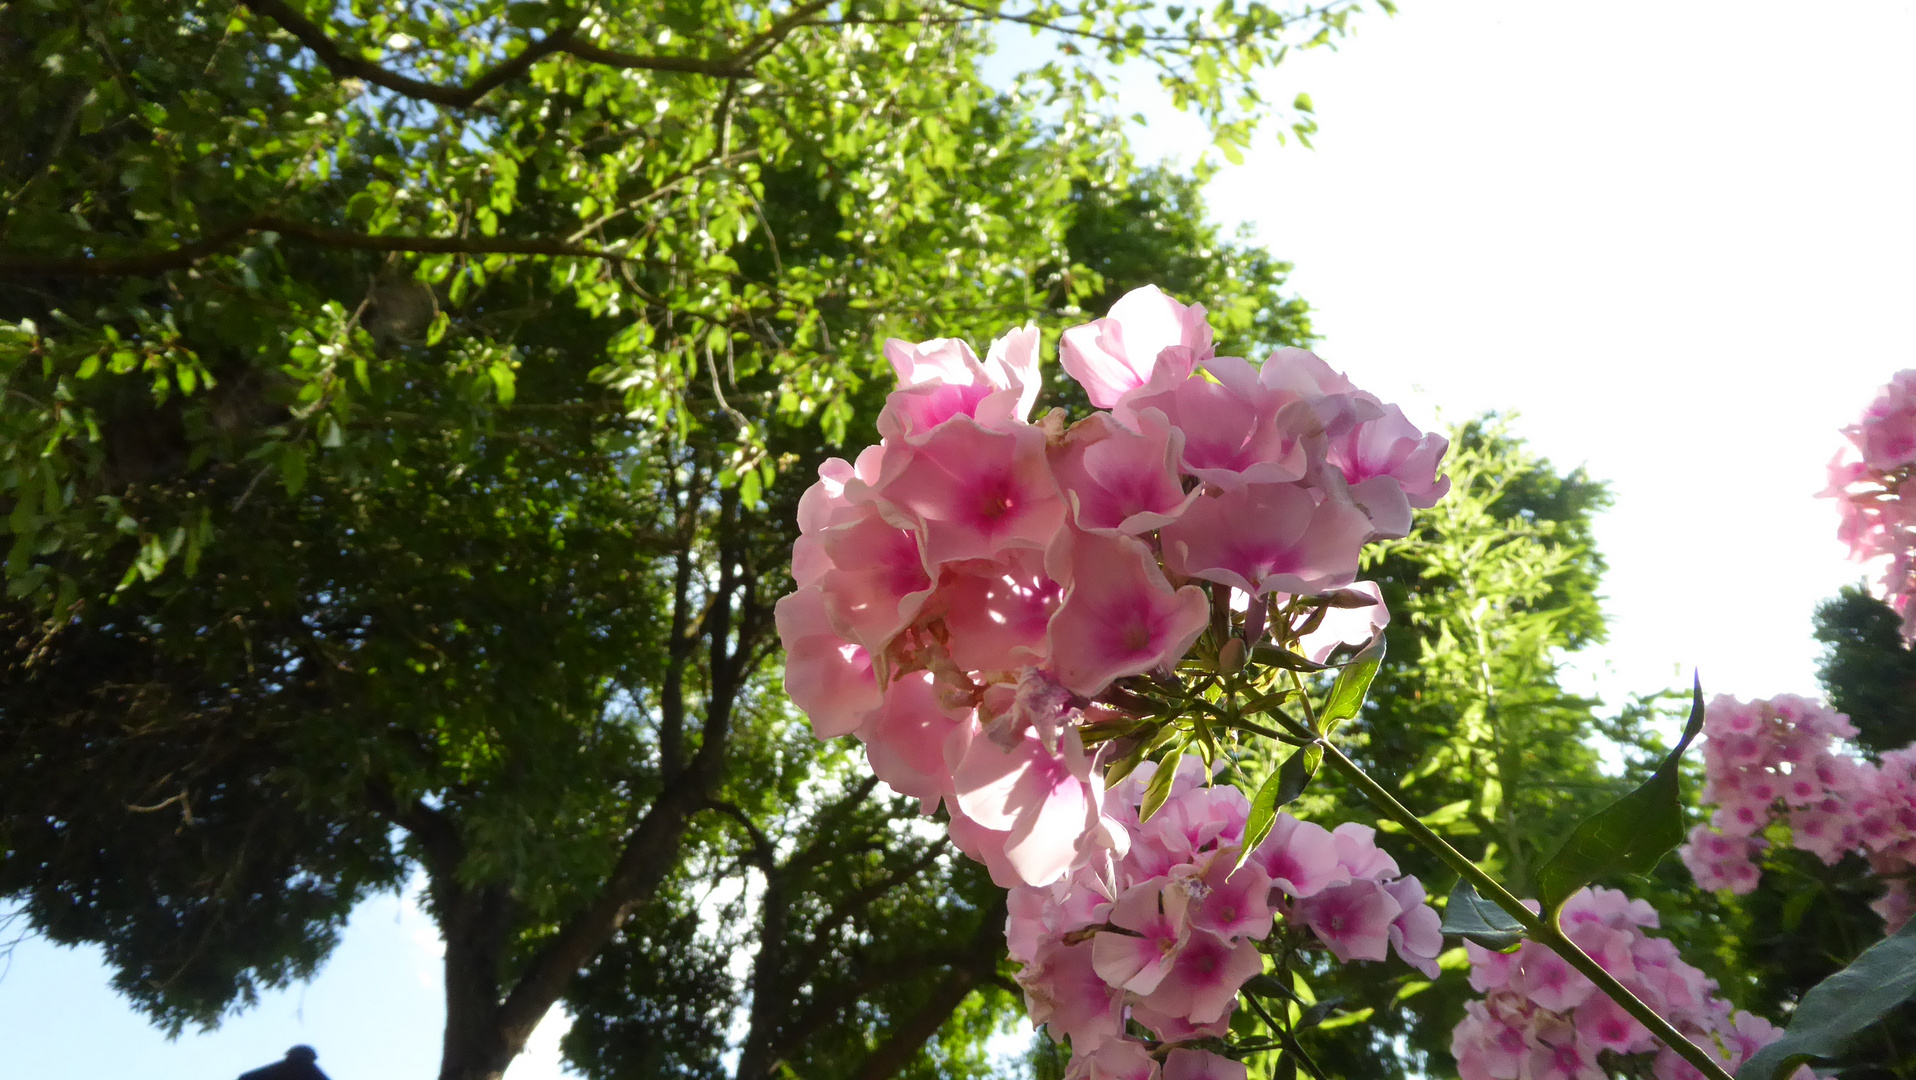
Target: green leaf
[[1159, 789], [1280, 788], [1284, 658], [1303, 103], [1627, 837], [1840, 1006], [1471, 917], [1353, 683]]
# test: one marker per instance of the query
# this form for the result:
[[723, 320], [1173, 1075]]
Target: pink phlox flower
[[1266, 538], [1029, 920], [1236, 902], [1236, 431], [1490, 970], [1064, 992], [1556, 1053], [878, 582], [973, 492], [1197, 819], [1177, 1027], [1147, 338], [1887, 434], [983, 846], [1895, 906], [1605, 1025], [1607, 907], [1487, 1048], [1044, 800], [1204, 977], [905, 739], [1391, 466], [1549, 980], [1417, 932], [1120, 480], [1353, 921], [825, 504], [1187, 1064], [1347, 626], [1155, 912], [1114, 1059], [942, 378], [1120, 615], [828, 678], [1359, 854], [996, 613], [1300, 857]]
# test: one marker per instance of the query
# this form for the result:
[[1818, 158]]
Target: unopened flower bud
[[1230, 658]]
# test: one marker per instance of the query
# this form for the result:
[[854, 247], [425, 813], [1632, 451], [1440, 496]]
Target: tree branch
[[736, 65], [910, 1034], [179, 258]]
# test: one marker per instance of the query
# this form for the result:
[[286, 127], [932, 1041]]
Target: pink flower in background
[[1541, 1018], [1146, 334], [1874, 518]]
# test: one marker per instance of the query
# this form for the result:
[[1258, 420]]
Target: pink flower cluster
[[968, 587], [1775, 761], [1877, 522], [1162, 930], [1541, 1019]]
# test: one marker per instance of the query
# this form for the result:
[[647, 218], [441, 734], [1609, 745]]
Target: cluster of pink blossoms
[[970, 588], [1164, 935], [1541, 1019], [1877, 522], [1776, 761]]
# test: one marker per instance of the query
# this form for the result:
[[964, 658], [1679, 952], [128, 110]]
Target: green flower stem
[[1541, 930]]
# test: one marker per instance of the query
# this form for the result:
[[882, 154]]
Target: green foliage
[[406, 410], [1868, 671], [1829, 1016]]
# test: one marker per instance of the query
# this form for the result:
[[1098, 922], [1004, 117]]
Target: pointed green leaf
[[1283, 658], [1278, 789], [1159, 789], [1630, 835], [1840, 1006], [1471, 917], [1351, 686]]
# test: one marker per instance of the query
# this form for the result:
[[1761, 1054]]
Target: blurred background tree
[[406, 408]]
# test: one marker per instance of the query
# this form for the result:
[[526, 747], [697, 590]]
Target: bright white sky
[[1676, 236]]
